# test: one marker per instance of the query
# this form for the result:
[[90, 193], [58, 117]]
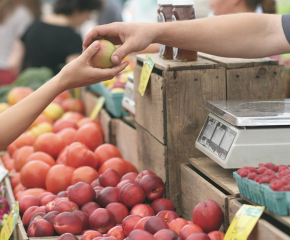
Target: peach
[[161, 204], [37, 216], [116, 232], [85, 219], [68, 222], [30, 212], [95, 183], [208, 215], [81, 193], [68, 135], [26, 202], [166, 234], [123, 183], [153, 186], [50, 216], [142, 174], [119, 210], [62, 194], [177, 224], [131, 194], [105, 238], [107, 195], [140, 235], [110, 178], [189, 229], [142, 210], [129, 223], [89, 207], [140, 224], [198, 236], [42, 195], [65, 206], [67, 236], [90, 235], [102, 220], [102, 59], [129, 176], [47, 199], [154, 224], [216, 235], [167, 215], [40, 228]]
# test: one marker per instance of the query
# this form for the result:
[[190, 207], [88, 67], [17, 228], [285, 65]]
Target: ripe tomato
[[41, 119], [58, 178], [19, 188], [107, 151], [118, 164], [33, 174], [79, 155], [25, 139], [90, 135], [21, 156], [15, 180], [73, 104], [41, 156], [49, 143], [61, 159], [68, 135], [84, 174], [61, 124], [31, 191]]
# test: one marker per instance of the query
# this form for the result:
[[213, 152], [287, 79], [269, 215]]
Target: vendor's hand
[[78, 73], [132, 37]]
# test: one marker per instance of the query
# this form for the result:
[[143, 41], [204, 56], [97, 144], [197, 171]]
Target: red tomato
[[107, 151], [49, 143]]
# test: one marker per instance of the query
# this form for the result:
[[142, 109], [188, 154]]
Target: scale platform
[[246, 133]]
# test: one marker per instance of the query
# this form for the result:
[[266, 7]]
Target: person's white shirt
[[12, 29], [259, 9]]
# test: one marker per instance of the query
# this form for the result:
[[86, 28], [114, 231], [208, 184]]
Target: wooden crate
[[172, 110], [124, 136], [197, 186], [264, 229]]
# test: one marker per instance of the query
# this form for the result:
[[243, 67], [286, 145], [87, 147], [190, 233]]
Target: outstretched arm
[[15, 120], [245, 35]]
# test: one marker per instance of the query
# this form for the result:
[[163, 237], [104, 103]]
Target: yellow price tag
[[77, 93], [10, 223], [97, 108], [244, 222], [145, 74]]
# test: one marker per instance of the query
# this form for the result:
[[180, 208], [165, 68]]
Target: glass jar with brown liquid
[[165, 15], [183, 10]]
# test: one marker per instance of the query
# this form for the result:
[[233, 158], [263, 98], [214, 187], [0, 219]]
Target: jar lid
[[164, 2], [182, 2]]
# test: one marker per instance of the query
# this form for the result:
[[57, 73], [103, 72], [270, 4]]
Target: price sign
[[244, 222], [3, 173], [10, 223], [145, 74], [97, 108]]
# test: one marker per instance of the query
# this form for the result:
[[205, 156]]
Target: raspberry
[[286, 187], [271, 166], [252, 175], [257, 179], [265, 179], [261, 165], [276, 184], [283, 173], [243, 172], [269, 172], [261, 170], [282, 168], [252, 169]]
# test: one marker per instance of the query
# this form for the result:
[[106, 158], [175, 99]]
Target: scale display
[[217, 137]]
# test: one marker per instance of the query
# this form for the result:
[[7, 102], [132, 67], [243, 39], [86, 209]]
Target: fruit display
[[117, 206], [267, 185]]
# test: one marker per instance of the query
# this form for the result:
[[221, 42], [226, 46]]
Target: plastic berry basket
[[242, 184], [256, 192], [277, 202]]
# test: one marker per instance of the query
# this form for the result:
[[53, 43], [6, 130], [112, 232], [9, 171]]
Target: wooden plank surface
[[126, 141], [196, 189], [152, 154], [171, 65], [263, 229], [106, 124], [239, 62], [256, 83], [222, 177], [151, 109], [186, 95], [89, 100]]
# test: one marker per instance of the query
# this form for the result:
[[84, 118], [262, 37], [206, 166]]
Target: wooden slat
[[126, 141], [256, 83], [186, 95], [263, 229], [222, 177], [239, 62], [151, 154], [196, 189], [170, 65], [89, 100], [150, 109], [106, 124]]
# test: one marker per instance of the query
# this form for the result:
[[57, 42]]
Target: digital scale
[[246, 133]]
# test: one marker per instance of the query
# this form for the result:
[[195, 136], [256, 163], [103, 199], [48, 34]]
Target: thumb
[[91, 50], [121, 52]]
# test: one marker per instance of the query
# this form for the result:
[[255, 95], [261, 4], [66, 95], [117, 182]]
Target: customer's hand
[[78, 73], [132, 37]]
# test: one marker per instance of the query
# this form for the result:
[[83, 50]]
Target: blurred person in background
[[111, 12], [52, 40], [15, 17], [221, 7]]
